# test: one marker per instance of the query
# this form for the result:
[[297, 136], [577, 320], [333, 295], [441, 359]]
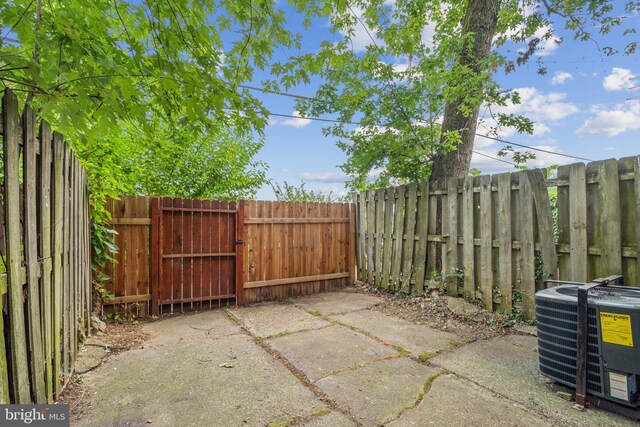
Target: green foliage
[[290, 193], [114, 76], [176, 163], [396, 88]]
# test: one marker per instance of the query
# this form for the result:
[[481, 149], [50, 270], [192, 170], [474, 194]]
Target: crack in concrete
[[301, 419], [547, 417], [317, 391], [426, 388]]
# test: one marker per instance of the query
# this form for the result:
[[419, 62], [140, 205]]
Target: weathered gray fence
[[46, 269], [497, 238]]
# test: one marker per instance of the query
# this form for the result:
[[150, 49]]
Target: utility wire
[[504, 141]]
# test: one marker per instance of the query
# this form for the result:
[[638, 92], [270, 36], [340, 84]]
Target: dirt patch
[[119, 337], [434, 311], [123, 336]]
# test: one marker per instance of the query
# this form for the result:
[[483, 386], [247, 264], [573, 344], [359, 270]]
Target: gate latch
[[239, 242]]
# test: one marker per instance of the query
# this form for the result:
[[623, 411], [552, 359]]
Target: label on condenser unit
[[618, 386], [616, 328]]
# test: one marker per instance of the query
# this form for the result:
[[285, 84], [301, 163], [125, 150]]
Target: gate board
[[195, 258]]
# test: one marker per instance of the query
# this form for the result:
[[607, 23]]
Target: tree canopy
[[412, 93]]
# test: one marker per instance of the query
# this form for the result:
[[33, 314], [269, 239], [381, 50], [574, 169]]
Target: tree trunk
[[480, 19]]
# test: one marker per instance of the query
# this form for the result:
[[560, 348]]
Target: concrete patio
[[323, 360]]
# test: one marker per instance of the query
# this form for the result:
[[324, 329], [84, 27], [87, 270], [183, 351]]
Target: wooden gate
[[197, 253]]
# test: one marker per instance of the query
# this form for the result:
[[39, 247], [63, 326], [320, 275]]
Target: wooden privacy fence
[[296, 249], [178, 254], [494, 237], [45, 244]]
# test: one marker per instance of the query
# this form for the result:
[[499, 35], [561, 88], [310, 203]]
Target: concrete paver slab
[[274, 319], [509, 366], [209, 325], [418, 339], [183, 383], [319, 353], [337, 302], [333, 419], [452, 402], [380, 391]]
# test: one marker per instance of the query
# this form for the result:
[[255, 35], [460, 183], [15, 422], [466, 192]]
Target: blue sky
[[585, 106]]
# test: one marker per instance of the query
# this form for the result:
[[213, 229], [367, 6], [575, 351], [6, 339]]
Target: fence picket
[[31, 253], [544, 218], [505, 282], [388, 237], [609, 225], [527, 283], [578, 222], [408, 241], [17, 334], [398, 232], [379, 233], [450, 210], [467, 233], [422, 229], [486, 241]]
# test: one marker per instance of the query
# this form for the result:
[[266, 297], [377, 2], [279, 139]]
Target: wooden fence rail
[[45, 244], [496, 238]]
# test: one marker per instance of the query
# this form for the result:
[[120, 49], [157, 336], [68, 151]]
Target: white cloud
[[619, 79], [624, 117], [362, 36], [560, 77], [546, 47], [542, 160], [540, 106], [296, 122], [332, 177]]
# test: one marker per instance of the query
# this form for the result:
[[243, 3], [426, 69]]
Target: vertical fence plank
[[362, 228], [467, 233], [577, 222], [388, 236], [44, 232], [409, 241], [609, 227], [17, 335], [486, 242], [240, 236], [398, 232], [527, 286], [351, 250], [156, 254], [370, 232], [31, 254], [57, 277], [450, 249], [422, 230], [505, 281], [66, 239], [379, 233], [544, 218]]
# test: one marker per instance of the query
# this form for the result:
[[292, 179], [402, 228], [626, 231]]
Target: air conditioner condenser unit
[[589, 338]]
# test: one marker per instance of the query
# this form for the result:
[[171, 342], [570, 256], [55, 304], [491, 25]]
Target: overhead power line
[[504, 141]]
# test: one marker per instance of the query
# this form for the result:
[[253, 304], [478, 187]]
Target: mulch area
[[433, 310]]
